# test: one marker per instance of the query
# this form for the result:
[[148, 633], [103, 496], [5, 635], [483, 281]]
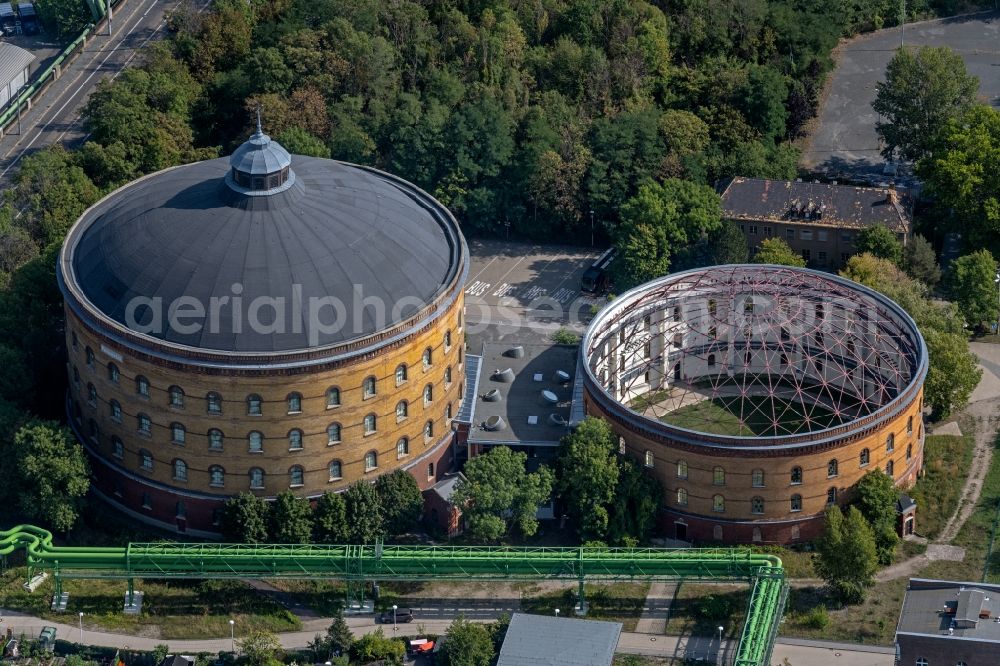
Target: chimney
[[891, 196]]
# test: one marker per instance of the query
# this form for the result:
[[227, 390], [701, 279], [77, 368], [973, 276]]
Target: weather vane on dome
[[259, 130]]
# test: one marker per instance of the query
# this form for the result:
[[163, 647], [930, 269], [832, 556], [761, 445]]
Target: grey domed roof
[[185, 232], [260, 155]]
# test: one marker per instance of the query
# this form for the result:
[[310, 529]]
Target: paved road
[[844, 141], [55, 117], [813, 653]]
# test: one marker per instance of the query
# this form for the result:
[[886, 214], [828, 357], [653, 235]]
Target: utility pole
[[109, 17], [591, 227], [902, 21]]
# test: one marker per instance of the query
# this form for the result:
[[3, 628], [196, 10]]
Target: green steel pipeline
[[419, 563]]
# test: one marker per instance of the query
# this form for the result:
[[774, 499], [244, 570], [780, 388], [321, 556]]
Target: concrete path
[[654, 616], [797, 651]]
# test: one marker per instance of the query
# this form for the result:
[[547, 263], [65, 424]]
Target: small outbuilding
[[558, 641], [14, 65]]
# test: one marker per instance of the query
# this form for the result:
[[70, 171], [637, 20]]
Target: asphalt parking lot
[[515, 285], [844, 143]]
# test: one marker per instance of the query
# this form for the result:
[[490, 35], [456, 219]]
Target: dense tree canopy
[[776, 251], [847, 557], [401, 501], [875, 496], [878, 241], [971, 282], [588, 475]]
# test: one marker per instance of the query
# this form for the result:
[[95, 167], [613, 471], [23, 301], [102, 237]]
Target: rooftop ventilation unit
[[495, 423], [561, 377], [506, 375], [550, 397], [493, 395], [557, 420], [517, 351]]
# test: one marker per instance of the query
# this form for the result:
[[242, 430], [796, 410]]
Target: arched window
[[254, 405], [371, 424], [400, 373], [402, 447], [76, 375], [682, 469], [889, 468], [909, 425], [401, 410], [909, 452], [748, 305], [890, 443], [332, 397], [180, 470], [90, 357], [718, 503], [294, 439], [831, 468], [447, 376], [429, 429], [649, 461], [711, 360], [256, 441], [757, 478], [336, 470], [213, 402], [256, 478], [176, 394], [428, 394], [865, 458], [76, 340], [216, 476], [146, 460], [368, 387], [95, 432], [296, 477], [145, 425], [177, 433], [92, 395], [682, 496], [831, 496], [294, 403], [756, 535], [447, 340], [719, 476], [921, 661], [371, 461], [757, 504], [447, 412], [333, 434], [796, 476], [117, 447], [115, 376], [427, 358], [796, 503], [460, 356], [215, 439]]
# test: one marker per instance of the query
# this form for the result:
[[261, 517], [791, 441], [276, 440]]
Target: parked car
[[402, 615]]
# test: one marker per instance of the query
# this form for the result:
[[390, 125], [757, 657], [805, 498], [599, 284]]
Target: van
[[597, 278]]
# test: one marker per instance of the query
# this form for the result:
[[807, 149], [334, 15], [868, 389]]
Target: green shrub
[[564, 336], [817, 618]]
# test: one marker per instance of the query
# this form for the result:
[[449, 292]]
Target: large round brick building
[[758, 395], [261, 323]]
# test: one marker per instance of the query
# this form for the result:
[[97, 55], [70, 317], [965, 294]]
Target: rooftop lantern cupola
[[260, 166]]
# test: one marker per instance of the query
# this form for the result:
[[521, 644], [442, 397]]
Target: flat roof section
[[522, 398], [933, 607]]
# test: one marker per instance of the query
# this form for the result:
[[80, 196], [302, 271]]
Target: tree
[[467, 644], [497, 494], [330, 519], [963, 179], [776, 251], [922, 92], [971, 284], [64, 19], [878, 241], [588, 475], [764, 101], [259, 646], [875, 496], [50, 474], [953, 373], [847, 559], [339, 635], [300, 142], [289, 519], [244, 519], [53, 191], [921, 262], [636, 503], [364, 513], [375, 646], [401, 500], [658, 221]]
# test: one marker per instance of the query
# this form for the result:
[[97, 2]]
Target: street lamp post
[[591, 227], [81, 627], [719, 660], [232, 635], [394, 617], [997, 281]]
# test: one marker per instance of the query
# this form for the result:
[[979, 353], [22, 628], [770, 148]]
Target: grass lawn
[[753, 415], [326, 597], [946, 464], [170, 610], [621, 602], [872, 622], [700, 608], [797, 563]]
